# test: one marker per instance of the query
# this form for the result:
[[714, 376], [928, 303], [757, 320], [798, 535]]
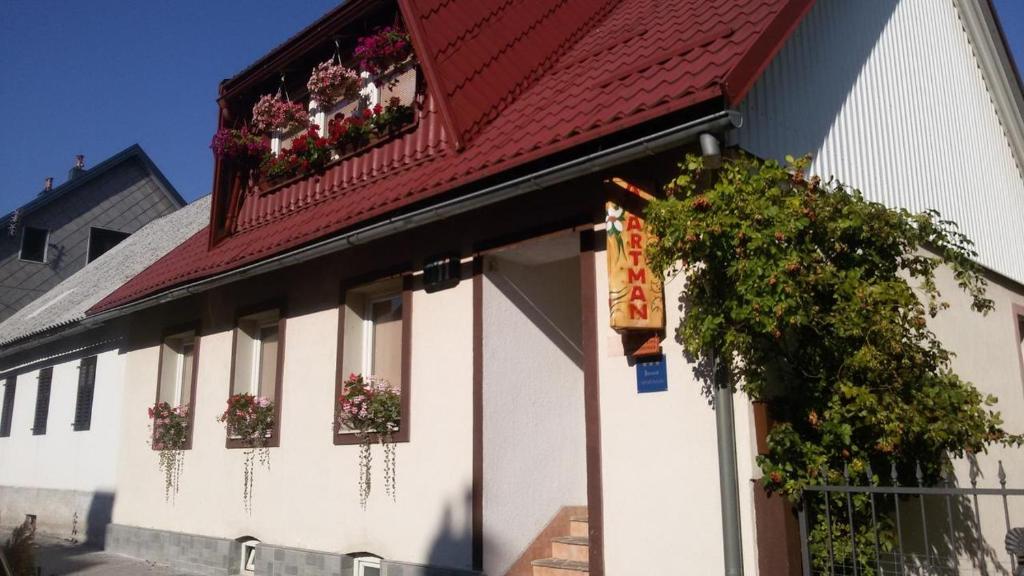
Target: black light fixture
[[441, 272]]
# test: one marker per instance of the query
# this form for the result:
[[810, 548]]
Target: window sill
[[352, 439], [274, 441], [159, 447]]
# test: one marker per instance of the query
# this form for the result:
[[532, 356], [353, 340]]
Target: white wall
[[660, 461], [534, 430], [309, 497], [888, 97], [55, 474]]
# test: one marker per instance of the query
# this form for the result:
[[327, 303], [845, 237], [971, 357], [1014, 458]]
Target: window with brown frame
[[176, 384], [258, 361], [374, 339]]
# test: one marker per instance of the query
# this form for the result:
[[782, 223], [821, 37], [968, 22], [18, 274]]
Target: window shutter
[[86, 386], [8, 410], [42, 401]]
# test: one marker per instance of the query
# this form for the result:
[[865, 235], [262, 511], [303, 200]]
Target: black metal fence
[[863, 527]]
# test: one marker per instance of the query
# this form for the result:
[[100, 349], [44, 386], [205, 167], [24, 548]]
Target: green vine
[[820, 300]]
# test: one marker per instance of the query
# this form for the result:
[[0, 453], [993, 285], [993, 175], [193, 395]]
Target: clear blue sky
[[93, 77]]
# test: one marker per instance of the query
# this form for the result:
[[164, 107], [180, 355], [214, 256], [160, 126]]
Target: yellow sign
[[634, 292]]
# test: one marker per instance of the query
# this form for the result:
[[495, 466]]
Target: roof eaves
[[1000, 71], [746, 72], [133, 151], [269, 65]]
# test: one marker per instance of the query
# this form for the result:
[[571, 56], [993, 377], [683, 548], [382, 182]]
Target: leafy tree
[[819, 301]]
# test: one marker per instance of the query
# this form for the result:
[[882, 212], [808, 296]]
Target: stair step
[[579, 526], [571, 548], [559, 567]]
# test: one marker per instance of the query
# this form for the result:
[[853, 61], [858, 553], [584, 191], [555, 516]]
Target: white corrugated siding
[[888, 97]]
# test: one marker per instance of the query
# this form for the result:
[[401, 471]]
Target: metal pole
[[727, 474]]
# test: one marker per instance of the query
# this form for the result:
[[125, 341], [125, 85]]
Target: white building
[[63, 382]]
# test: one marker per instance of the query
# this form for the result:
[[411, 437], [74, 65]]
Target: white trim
[[982, 29], [363, 562]]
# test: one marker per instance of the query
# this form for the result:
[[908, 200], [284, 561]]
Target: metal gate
[[937, 529]]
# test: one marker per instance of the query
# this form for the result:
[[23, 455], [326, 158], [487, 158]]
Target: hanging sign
[[634, 292]]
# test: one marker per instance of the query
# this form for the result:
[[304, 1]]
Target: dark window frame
[[341, 438], [89, 257], [42, 411], [279, 305], [7, 411], [194, 327], [46, 245], [85, 394]]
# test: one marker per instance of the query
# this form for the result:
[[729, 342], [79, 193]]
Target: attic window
[[33, 244], [102, 240]]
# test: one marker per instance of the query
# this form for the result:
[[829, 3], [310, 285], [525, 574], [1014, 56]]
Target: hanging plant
[[250, 420], [351, 133], [277, 114], [170, 435], [390, 119], [331, 82], [307, 153], [240, 145], [372, 408], [381, 52]]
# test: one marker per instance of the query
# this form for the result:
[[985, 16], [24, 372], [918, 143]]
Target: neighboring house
[[68, 226], [463, 258], [62, 381]]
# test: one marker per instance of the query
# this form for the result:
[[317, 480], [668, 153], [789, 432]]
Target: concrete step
[[559, 567], [575, 548], [578, 526]]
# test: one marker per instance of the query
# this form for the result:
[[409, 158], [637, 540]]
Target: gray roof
[[68, 301], [133, 151]]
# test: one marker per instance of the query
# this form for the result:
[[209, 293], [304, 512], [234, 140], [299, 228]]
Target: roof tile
[[525, 79]]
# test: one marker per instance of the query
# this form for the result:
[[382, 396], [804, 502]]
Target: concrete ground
[[61, 558]]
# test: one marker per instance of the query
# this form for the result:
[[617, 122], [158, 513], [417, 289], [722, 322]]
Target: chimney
[[78, 169], [48, 184]]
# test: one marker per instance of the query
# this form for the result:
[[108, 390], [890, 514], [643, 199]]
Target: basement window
[[33, 244], [366, 566], [102, 240]]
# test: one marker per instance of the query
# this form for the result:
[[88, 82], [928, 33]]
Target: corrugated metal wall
[[888, 97]]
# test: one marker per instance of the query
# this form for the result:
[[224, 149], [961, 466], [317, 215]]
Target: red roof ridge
[[471, 31], [531, 77]]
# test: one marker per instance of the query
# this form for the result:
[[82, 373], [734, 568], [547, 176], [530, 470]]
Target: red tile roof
[[516, 80]]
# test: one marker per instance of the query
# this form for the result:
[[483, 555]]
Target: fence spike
[[894, 474], [1002, 475], [871, 477], [973, 473], [918, 473], [846, 473]]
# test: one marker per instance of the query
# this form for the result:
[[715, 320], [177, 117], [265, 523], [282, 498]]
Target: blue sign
[[651, 375]]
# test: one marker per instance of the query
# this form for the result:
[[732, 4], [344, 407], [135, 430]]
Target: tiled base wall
[[221, 557], [197, 554]]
